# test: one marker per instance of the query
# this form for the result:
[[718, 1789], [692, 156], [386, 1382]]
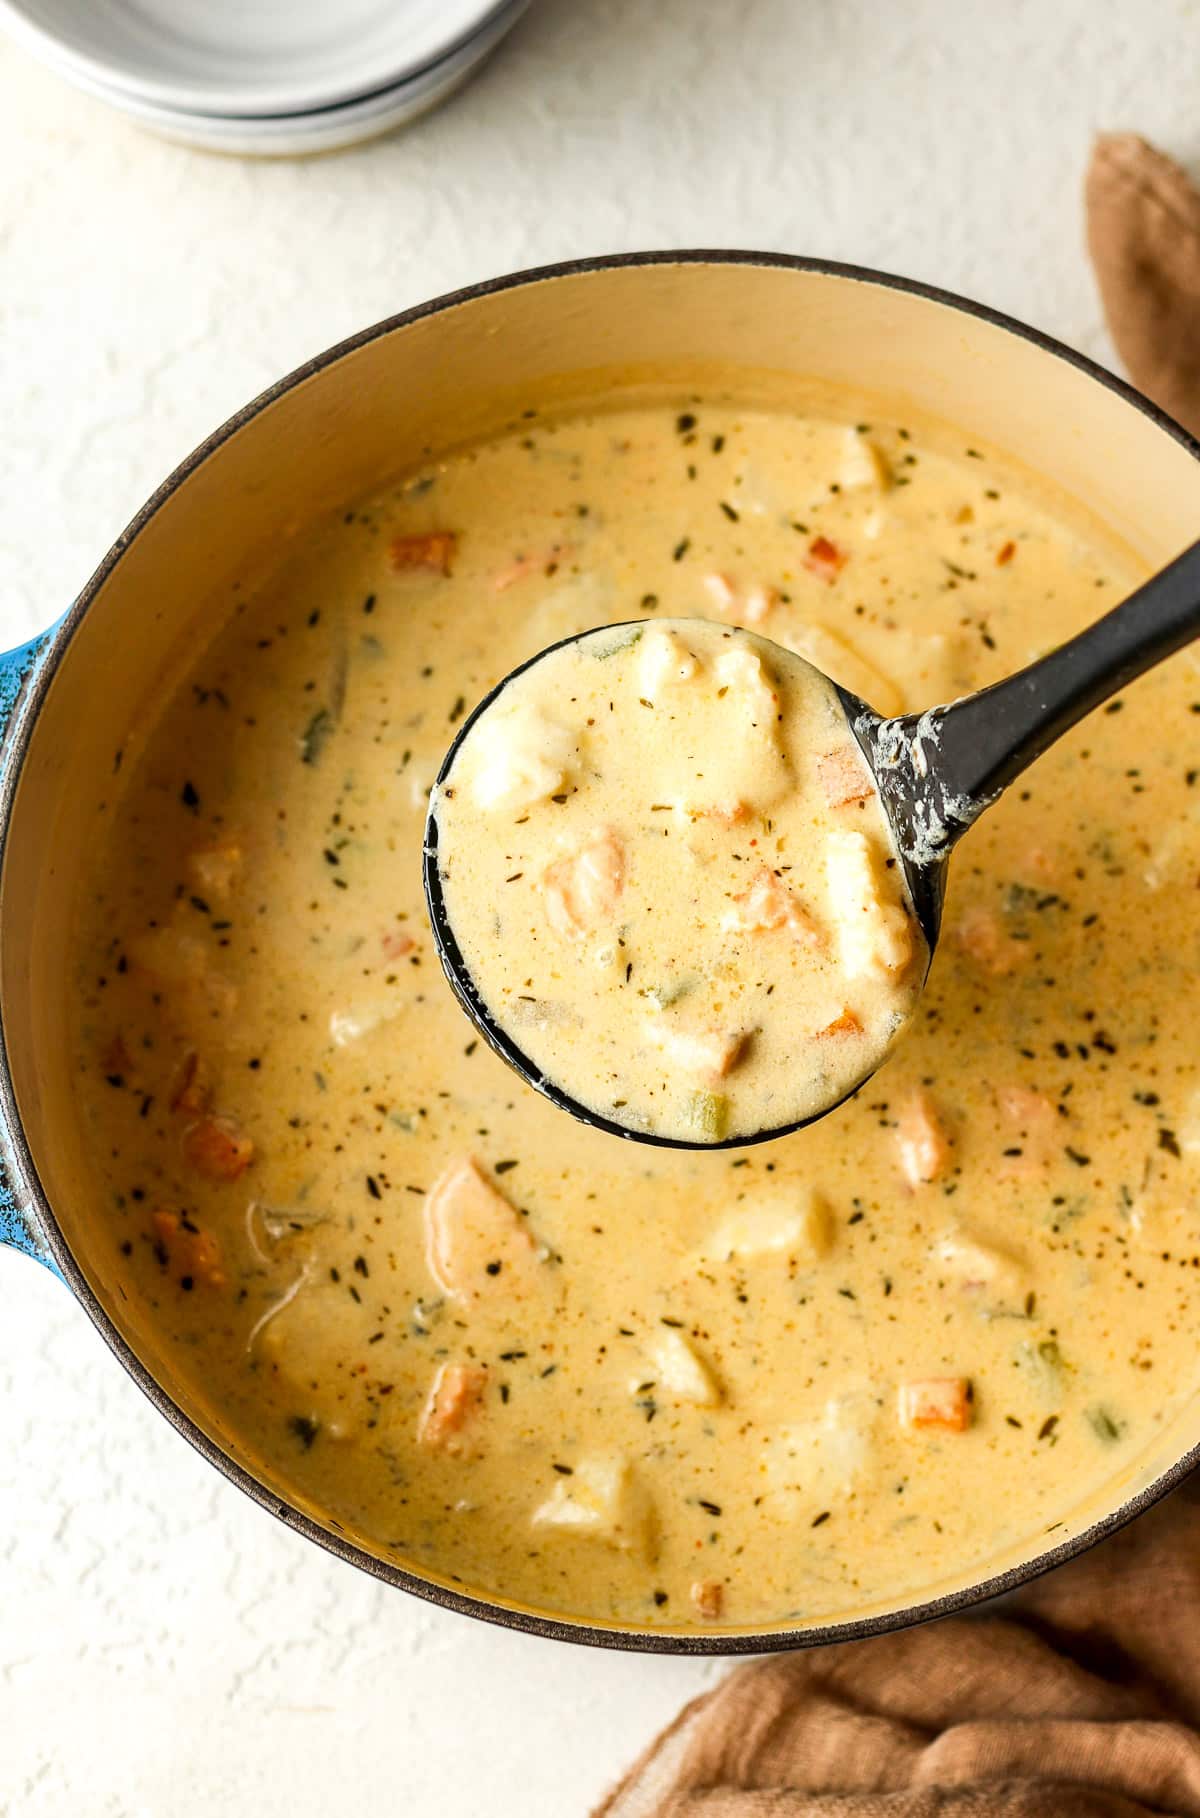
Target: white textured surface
[[165, 1648]]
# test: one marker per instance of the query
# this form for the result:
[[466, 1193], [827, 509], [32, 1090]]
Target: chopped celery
[[707, 1113]]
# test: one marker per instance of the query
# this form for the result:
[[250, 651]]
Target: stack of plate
[[264, 76]]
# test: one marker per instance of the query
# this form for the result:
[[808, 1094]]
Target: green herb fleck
[[315, 736]]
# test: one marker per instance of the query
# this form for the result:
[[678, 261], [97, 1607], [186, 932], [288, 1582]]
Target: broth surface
[[653, 1387]]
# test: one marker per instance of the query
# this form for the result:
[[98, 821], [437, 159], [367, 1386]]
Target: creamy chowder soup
[[670, 878], [630, 1384]]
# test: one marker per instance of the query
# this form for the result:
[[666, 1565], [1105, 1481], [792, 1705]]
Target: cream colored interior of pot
[[762, 333]]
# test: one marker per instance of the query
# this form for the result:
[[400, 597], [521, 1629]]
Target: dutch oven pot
[[769, 329]]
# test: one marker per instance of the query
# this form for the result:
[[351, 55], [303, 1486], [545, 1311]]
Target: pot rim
[[28, 1184]]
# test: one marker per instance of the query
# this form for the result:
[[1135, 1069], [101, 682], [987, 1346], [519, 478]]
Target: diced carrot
[[922, 1141], [435, 550], [397, 943], [940, 1402], [476, 1243], [191, 1091], [980, 935], [768, 905], [217, 1148], [844, 777], [455, 1397], [845, 1024], [708, 1053], [708, 1598], [749, 605], [825, 559], [194, 1254], [1005, 554], [581, 890]]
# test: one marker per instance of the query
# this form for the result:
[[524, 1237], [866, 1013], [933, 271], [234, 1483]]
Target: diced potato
[[455, 1400], [722, 594], [873, 932], [679, 1370], [581, 890], [518, 757], [748, 606], [213, 870], [476, 1243], [173, 957], [793, 1223], [996, 1275], [942, 1403], [704, 1053], [741, 669], [350, 1025], [822, 1460], [863, 464], [730, 705], [664, 661], [1165, 1209], [180, 965], [922, 1141], [707, 1596], [602, 1500], [767, 905], [758, 603]]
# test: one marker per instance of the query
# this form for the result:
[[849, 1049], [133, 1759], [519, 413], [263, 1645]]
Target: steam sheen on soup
[[646, 1386]]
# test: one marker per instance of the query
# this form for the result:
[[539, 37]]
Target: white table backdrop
[[165, 1647]]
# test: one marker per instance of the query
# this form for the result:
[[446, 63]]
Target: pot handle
[[20, 1227]]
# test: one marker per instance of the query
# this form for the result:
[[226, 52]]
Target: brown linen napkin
[[1081, 1701], [1143, 226]]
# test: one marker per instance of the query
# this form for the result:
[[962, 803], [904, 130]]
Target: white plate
[[325, 129], [244, 57]]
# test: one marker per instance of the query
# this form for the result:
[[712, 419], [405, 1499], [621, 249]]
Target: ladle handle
[[978, 745]]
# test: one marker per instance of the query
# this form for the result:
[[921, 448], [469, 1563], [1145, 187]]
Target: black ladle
[[936, 773]]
